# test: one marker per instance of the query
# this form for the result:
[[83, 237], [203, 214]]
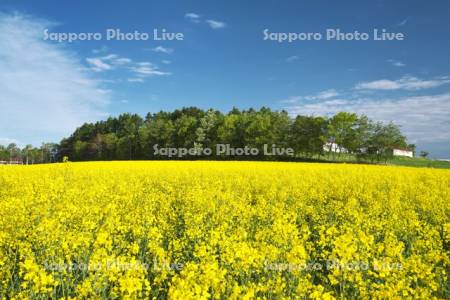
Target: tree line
[[131, 137], [46, 153]]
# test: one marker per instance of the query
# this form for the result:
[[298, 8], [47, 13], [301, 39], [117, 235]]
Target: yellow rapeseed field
[[237, 230]]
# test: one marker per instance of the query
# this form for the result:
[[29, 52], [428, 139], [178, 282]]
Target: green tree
[[207, 130], [424, 154], [157, 129], [27, 153], [128, 134], [309, 135], [412, 147], [342, 131], [384, 139], [13, 151], [184, 131]]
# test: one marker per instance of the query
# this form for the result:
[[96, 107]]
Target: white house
[[403, 152], [333, 147]]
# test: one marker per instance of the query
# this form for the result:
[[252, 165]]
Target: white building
[[403, 152], [333, 147]]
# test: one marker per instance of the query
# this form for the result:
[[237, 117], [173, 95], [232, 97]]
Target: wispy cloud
[[162, 49], [193, 17], [327, 94], [331, 93], [196, 18], [396, 63], [405, 83], [403, 22], [216, 24], [292, 58], [122, 61], [292, 99], [107, 62], [136, 79], [149, 71], [102, 49], [46, 92], [98, 65], [139, 70], [145, 69]]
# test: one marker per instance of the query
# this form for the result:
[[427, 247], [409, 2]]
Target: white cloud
[[144, 64], [327, 94], [403, 23], [396, 63], [216, 24], [162, 49], [150, 71], [122, 61], [292, 58], [193, 17], [45, 94], [98, 65], [102, 49], [145, 69], [166, 62], [135, 80], [405, 83], [104, 91], [107, 62], [292, 99], [109, 57], [196, 18], [139, 70]]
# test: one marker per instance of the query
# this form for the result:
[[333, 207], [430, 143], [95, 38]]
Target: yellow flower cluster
[[217, 230]]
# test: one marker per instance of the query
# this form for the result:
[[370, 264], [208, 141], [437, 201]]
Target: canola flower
[[219, 230]]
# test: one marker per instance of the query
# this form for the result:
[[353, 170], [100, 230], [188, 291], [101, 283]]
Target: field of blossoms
[[223, 230]]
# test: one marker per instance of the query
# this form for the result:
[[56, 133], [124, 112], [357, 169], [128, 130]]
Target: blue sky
[[50, 88]]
